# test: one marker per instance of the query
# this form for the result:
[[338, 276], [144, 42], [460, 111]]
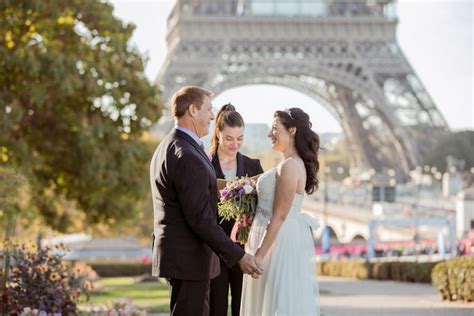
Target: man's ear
[[192, 109]]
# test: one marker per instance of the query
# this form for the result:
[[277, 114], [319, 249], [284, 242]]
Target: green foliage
[[454, 279], [40, 280], [380, 271], [459, 145], [74, 104], [397, 271], [122, 306], [153, 296], [114, 269], [13, 195], [238, 200], [348, 269]]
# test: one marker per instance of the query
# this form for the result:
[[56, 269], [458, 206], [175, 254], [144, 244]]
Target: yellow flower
[[54, 276], [67, 20], [87, 285], [77, 270], [43, 268], [9, 40]]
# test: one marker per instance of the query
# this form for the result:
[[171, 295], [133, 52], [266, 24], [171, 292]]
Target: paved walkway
[[369, 297]]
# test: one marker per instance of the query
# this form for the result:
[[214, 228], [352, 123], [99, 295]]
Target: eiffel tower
[[343, 54]]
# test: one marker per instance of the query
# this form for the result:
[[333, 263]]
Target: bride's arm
[[285, 190]]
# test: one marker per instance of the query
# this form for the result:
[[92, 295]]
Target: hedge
[[111, 269], [398, 271], [454, 279]]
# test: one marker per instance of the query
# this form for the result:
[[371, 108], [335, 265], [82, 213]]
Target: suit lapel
[[217, 166], [240, 165], [193, 143]]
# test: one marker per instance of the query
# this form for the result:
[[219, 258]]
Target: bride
[[280, 236]]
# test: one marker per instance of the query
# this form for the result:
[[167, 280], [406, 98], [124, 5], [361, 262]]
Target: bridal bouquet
[[238, 200]]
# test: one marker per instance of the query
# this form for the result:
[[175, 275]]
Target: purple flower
[[225, 193]]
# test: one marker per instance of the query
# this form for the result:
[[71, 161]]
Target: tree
[[74, 104], [460, 145], [13, 193]]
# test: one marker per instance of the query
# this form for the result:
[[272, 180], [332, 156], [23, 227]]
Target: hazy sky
[[435, 35]]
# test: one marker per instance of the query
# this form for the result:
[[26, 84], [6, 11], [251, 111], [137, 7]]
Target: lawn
[[153, 296]]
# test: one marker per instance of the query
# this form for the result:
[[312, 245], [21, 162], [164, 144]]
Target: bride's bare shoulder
[[289, 166]]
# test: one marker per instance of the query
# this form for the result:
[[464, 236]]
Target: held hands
[[258, 260], [249, 265]]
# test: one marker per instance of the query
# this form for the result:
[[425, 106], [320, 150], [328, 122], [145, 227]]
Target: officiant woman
[[229, 163]]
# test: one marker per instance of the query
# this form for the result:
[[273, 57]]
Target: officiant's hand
[[248, 265]]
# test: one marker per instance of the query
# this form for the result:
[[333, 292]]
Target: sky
[[436, 36]]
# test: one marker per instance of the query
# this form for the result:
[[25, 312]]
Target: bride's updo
[[306, 143]]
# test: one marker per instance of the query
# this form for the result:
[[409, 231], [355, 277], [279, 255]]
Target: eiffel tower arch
[[343, 54]]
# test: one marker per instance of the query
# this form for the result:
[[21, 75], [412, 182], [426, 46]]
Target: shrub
[[112, 269], [397, 271], [347, 269], [121, 307], [380, 271], [423, 272], [454, 279], [39, 280]]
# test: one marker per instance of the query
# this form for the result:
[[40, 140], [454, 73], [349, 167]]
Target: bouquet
[[238, 200]]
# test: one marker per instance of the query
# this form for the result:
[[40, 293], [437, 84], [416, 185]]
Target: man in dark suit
[[187, 236]]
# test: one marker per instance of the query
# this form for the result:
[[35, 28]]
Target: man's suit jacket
[[187, 236], [245, 167]]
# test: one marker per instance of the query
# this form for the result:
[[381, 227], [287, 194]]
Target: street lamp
[[327, 170], [325, 243], [419, 180]]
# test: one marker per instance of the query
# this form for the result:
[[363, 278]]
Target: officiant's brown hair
[[186, 96], [227, 116]]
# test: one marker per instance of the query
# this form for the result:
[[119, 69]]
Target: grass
[[153, 296]]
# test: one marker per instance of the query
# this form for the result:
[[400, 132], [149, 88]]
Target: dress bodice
[[266, 194]]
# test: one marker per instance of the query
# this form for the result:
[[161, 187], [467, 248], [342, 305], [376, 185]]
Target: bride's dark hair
[[306, 143]]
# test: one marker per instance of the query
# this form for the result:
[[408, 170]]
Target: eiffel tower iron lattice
[[343, 54]]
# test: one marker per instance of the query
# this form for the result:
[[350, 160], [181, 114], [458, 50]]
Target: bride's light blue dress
[[288, 286]]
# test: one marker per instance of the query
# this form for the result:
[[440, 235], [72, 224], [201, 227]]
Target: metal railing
[[291, 8]]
